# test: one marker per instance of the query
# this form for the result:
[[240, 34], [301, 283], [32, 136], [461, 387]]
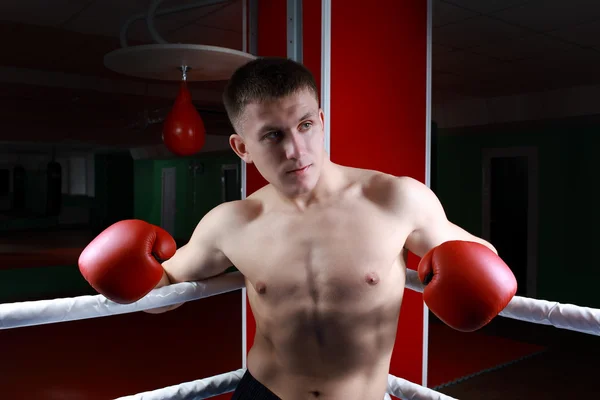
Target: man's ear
[[239, 147], [322, 117], [322, 120]]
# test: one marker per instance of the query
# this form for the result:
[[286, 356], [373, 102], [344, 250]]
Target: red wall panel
[[378, 115], [378, 108]]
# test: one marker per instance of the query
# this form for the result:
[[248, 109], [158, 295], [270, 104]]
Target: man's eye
[[306, 125], [272, 135]]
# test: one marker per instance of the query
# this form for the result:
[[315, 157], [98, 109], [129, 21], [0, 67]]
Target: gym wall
[[124, 189], [567, 213], [29, 209], [190, 208], [113, 197]]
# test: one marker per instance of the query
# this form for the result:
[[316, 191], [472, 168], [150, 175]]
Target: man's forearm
[[164, 281]]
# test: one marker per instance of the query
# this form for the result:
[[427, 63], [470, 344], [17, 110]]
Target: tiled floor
[[568, 369]]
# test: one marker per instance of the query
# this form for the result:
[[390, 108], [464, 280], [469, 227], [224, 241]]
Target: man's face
[[284, 139]]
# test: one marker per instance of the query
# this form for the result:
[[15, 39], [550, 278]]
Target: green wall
[[114, 194], [124, 189], [207, 183], [39, 283], [112, 202], [567, 195]]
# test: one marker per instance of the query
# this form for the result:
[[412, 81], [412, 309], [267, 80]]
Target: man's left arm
[[466, 283], [430, 226]]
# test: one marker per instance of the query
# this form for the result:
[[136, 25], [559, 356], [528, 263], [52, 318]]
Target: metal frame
[[153, 11], [294, 30], [250, 45], [427, 174], [326, 69]]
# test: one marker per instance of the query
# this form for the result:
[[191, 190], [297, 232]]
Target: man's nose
[[294, 147]]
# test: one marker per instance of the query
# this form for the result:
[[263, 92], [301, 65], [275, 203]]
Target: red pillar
[[378, 117], [377, 109]]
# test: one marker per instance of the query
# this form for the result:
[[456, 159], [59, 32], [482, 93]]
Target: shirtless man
[[322, 248]]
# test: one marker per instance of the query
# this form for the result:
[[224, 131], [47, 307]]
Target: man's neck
[[331, 181]]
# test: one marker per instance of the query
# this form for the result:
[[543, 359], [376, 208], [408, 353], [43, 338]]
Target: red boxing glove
[[119, 263], [467, 284]]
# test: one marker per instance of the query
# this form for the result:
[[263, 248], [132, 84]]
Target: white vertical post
[[294, 30], [250, 17], [326, 68], [427, 172]]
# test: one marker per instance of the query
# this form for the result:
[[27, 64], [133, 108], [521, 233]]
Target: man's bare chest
[[332, 254]]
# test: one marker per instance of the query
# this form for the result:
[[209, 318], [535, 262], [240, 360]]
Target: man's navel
[[372, 278]]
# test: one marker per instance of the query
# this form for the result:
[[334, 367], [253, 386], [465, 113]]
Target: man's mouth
[[299, 171]]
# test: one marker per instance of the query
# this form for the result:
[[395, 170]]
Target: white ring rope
[[564, 316], [407, 390], [13, 315], [227, 382], [194, 390]]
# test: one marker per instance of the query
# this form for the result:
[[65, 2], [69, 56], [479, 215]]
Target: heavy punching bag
[[183, 131], [53, 188], [18, 194]]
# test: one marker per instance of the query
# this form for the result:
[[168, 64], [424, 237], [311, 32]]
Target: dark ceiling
[[54, 86], [489, 48]]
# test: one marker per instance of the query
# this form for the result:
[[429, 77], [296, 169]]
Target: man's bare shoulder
[[229, 217], [234, 214], [238, 211], [394, 192], [261, 194]]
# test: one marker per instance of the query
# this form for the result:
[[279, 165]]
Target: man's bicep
[[202, 256], [423, 239], [195, 262], [431, 233], [430, 225]]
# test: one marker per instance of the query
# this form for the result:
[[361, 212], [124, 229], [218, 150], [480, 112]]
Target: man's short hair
[[266, 78]]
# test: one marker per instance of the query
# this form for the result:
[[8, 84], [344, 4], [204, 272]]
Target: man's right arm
[[202, 257]]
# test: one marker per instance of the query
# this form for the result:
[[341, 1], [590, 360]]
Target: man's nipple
[[261, 287], [372, 278]]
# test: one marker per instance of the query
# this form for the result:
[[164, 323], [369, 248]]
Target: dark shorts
[[250, 388]]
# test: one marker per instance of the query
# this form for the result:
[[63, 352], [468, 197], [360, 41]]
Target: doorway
[[169, 206], [230, 183], [509, 206]]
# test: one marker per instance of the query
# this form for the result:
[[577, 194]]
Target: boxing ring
[[23, 314]]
